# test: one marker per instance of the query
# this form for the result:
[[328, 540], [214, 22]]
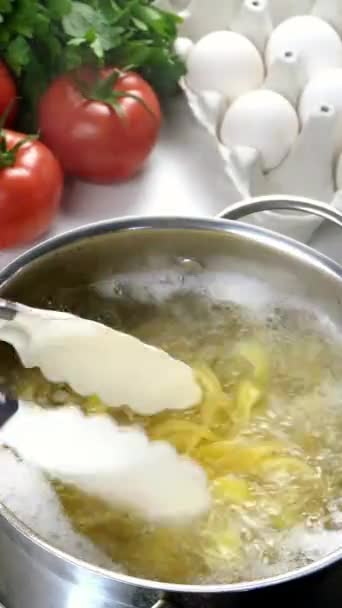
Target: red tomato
[[93, 140], [8, 94], [31, 184]]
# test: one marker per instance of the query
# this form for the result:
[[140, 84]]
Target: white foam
[[258, 297], [314, 544], [158, 286], [26, 492], [155, 286]]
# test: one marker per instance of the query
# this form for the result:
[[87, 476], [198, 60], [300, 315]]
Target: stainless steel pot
[[179, 253]]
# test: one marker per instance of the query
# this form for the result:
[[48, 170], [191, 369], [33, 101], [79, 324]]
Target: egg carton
[[265, 79]]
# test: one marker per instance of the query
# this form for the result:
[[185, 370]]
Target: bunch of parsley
[[40, 39]]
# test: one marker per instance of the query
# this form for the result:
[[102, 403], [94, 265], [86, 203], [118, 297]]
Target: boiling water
[[269, 435], [28, 494]]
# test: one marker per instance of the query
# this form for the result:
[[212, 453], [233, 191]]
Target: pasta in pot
[[255, 432]]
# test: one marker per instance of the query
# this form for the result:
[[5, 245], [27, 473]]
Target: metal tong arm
[[8, 405], [8, 310]]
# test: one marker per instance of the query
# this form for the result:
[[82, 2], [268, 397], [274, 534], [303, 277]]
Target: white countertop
[[184, 176]]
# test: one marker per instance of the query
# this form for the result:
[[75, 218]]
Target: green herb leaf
[[140, 25], [5, 6], [18, 54], [58, 8], [79, 20]]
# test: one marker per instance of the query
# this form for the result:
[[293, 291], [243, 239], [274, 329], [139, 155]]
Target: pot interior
[[212, 284], [165, 258]]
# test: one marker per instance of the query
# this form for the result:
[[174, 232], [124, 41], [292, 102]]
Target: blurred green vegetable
[[40, 39]]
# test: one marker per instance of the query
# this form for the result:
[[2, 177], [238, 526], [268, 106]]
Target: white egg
[[263, 120], [324, 90], [226, 62], [314, 41]]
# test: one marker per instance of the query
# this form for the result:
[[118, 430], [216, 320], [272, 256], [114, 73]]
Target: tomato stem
[[104, 91], [126, 94], [8, 155], [103, 88]]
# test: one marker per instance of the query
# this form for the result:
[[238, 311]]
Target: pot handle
[[288, 203]]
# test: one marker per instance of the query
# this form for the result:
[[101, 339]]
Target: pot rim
[[260, 235]]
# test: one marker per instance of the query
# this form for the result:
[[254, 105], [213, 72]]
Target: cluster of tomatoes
[[97, 126]]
